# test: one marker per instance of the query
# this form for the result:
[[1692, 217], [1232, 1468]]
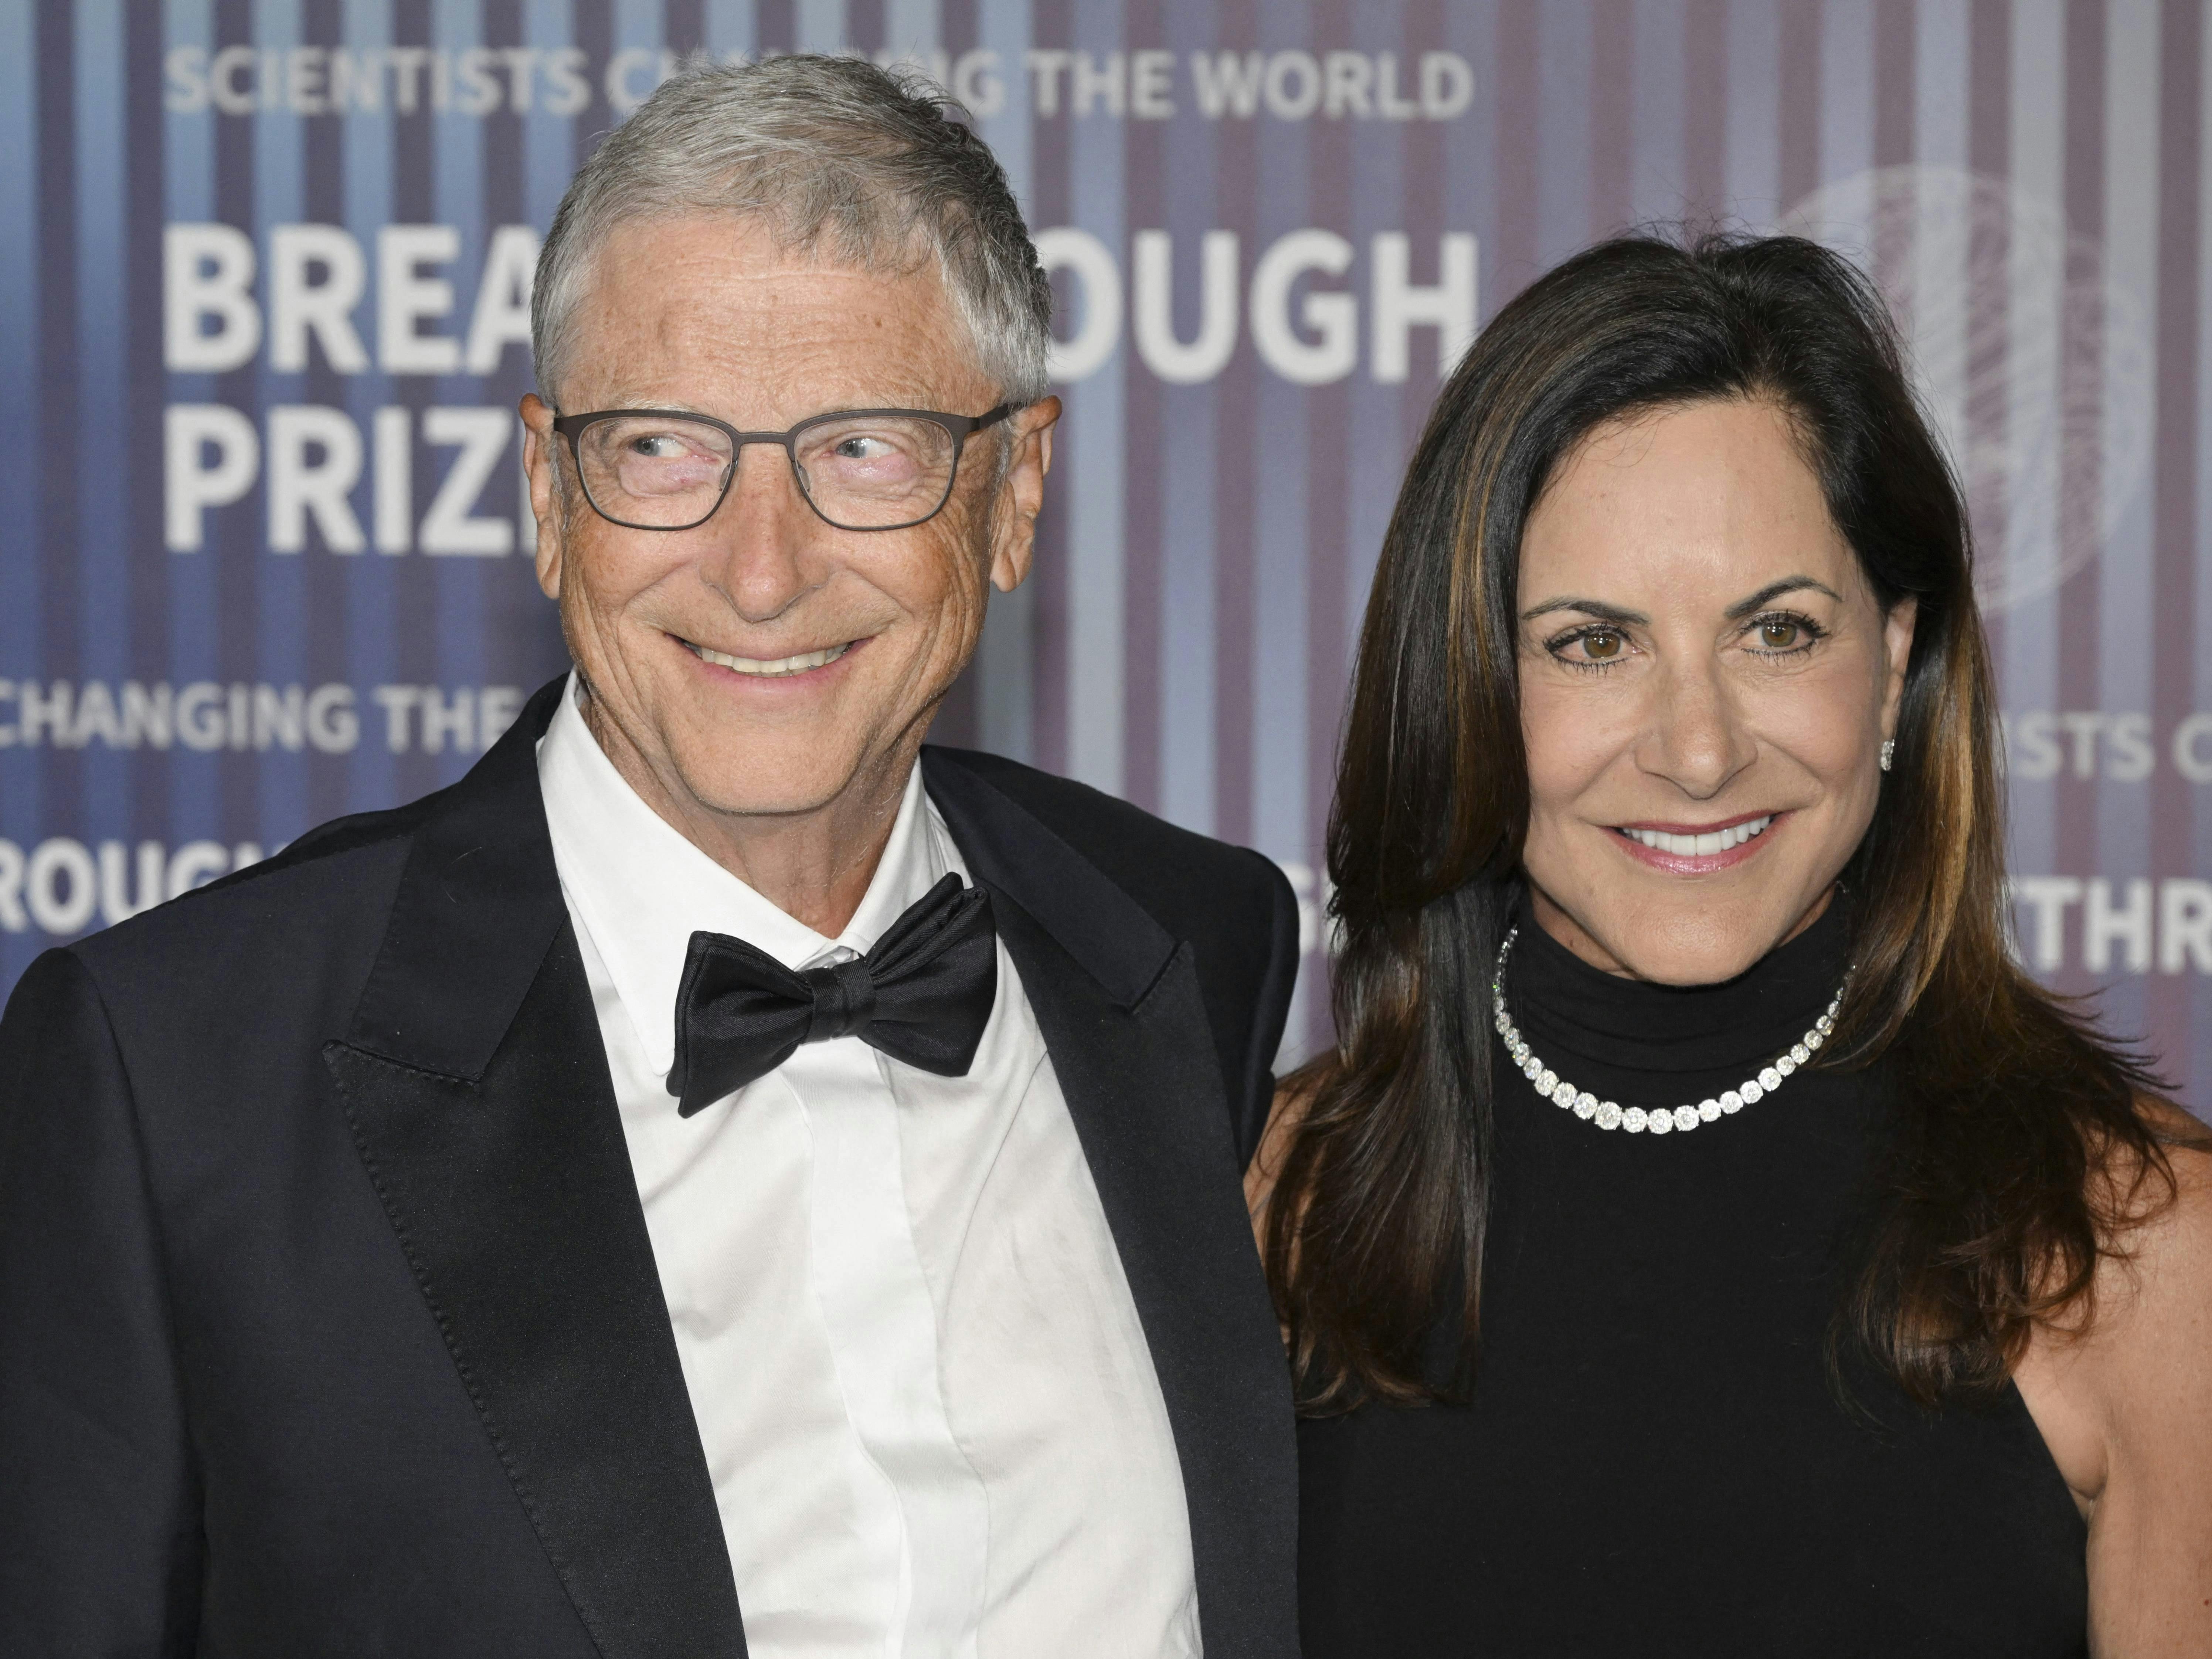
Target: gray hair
[[835, 156]]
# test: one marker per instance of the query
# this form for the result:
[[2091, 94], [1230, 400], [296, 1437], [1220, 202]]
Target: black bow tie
[[923, 995]]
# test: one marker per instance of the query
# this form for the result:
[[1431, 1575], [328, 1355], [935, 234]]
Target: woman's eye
[[1596, 646], [1785, 636]]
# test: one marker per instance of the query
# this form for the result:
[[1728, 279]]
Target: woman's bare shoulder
[[2124, 1397], [2151, 1295]]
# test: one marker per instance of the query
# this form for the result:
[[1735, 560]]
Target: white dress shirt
[[926, 1403]]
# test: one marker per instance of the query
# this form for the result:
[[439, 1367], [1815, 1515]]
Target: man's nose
[[762, 529], [1698, 739]]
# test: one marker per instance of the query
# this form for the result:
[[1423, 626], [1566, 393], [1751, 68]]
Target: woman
[[1705, 1238]]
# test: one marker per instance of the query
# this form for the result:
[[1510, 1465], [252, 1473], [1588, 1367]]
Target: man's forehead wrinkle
[[769, 390], [693, 317]]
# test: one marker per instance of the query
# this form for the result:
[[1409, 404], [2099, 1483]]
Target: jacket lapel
[[478, 1093], [1117, 998]]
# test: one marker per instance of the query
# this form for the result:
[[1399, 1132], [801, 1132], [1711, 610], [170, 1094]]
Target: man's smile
[[770, 667]]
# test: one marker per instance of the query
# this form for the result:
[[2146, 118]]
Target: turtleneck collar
[[1568, 1008]]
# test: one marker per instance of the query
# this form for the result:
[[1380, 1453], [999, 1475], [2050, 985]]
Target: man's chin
[[768, 786]]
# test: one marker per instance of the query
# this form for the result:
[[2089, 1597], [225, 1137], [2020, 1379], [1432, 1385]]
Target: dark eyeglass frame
[[961, 427]]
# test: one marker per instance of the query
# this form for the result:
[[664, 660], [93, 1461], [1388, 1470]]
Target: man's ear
[[1013, 539], [539, 444]]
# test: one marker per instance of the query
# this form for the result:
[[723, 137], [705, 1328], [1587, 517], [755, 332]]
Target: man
[[721, 1177]]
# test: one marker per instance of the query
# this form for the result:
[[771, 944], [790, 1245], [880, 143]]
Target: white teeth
[[1704, 846], [771, 667]]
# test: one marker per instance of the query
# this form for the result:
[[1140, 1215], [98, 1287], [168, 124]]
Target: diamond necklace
[[1606, 1114]]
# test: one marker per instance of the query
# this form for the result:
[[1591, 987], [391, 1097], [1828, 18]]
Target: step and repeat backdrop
[[265, 276]]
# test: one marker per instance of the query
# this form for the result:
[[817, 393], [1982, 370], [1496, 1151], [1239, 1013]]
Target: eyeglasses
[[858, 469]]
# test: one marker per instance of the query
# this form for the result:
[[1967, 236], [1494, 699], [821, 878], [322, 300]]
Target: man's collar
[[477, 907], [479, 903], [1110, 936], [640, 889]]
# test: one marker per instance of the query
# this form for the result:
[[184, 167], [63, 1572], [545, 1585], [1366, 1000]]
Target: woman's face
[[1706, 679]]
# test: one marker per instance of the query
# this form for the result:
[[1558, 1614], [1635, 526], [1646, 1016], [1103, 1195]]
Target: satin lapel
[[1117, 999], [480, 1101]]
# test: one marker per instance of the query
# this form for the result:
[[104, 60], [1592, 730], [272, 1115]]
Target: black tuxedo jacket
[[329, 1324]]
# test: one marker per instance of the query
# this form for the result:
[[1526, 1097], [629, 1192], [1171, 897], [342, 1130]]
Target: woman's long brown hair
[[1995, 1205]]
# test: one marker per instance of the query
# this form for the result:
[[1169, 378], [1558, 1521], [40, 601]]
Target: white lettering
[[2033, 747], [398, 702], [501, 317], [1348, 79], [96, 718], [303, 80], [1389, 103], [444, 717], [1151, 85], [332, 725], [1333, 317], [2133, 759], [2048, 896], [300, 486], [207, 277], [1045, 67], [1153, 313], [480, 82], [1447, 85], [448, 526], [223, 80], [1283, 68], [1227, 84], [2104, 924], [623, 69], [1088, 83], [200, 723], [393, 506], [115, 901], [2185, 925], [145, 715], [2083, 727], [47, 712], [1398, 305], [299, 307], [570, 89], [60, 889], [356, 79], [2193, 763], [191, 481], [184, 68], [1065, 248], [279, 716], [977, 84], [11, 888], [403, 299]]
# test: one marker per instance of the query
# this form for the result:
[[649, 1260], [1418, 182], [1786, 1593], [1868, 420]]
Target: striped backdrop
[[2027, 179]]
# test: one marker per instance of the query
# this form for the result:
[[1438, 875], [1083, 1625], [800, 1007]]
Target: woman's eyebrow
[[1598, 608], [1774, 591]]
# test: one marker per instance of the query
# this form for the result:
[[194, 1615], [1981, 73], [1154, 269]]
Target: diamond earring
[[1888, 752]]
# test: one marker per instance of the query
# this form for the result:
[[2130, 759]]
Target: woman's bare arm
[[2126, 1410]]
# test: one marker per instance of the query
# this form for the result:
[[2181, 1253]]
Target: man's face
[[687, 638]]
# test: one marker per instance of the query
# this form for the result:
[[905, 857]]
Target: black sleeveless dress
[[1654, 1459]]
